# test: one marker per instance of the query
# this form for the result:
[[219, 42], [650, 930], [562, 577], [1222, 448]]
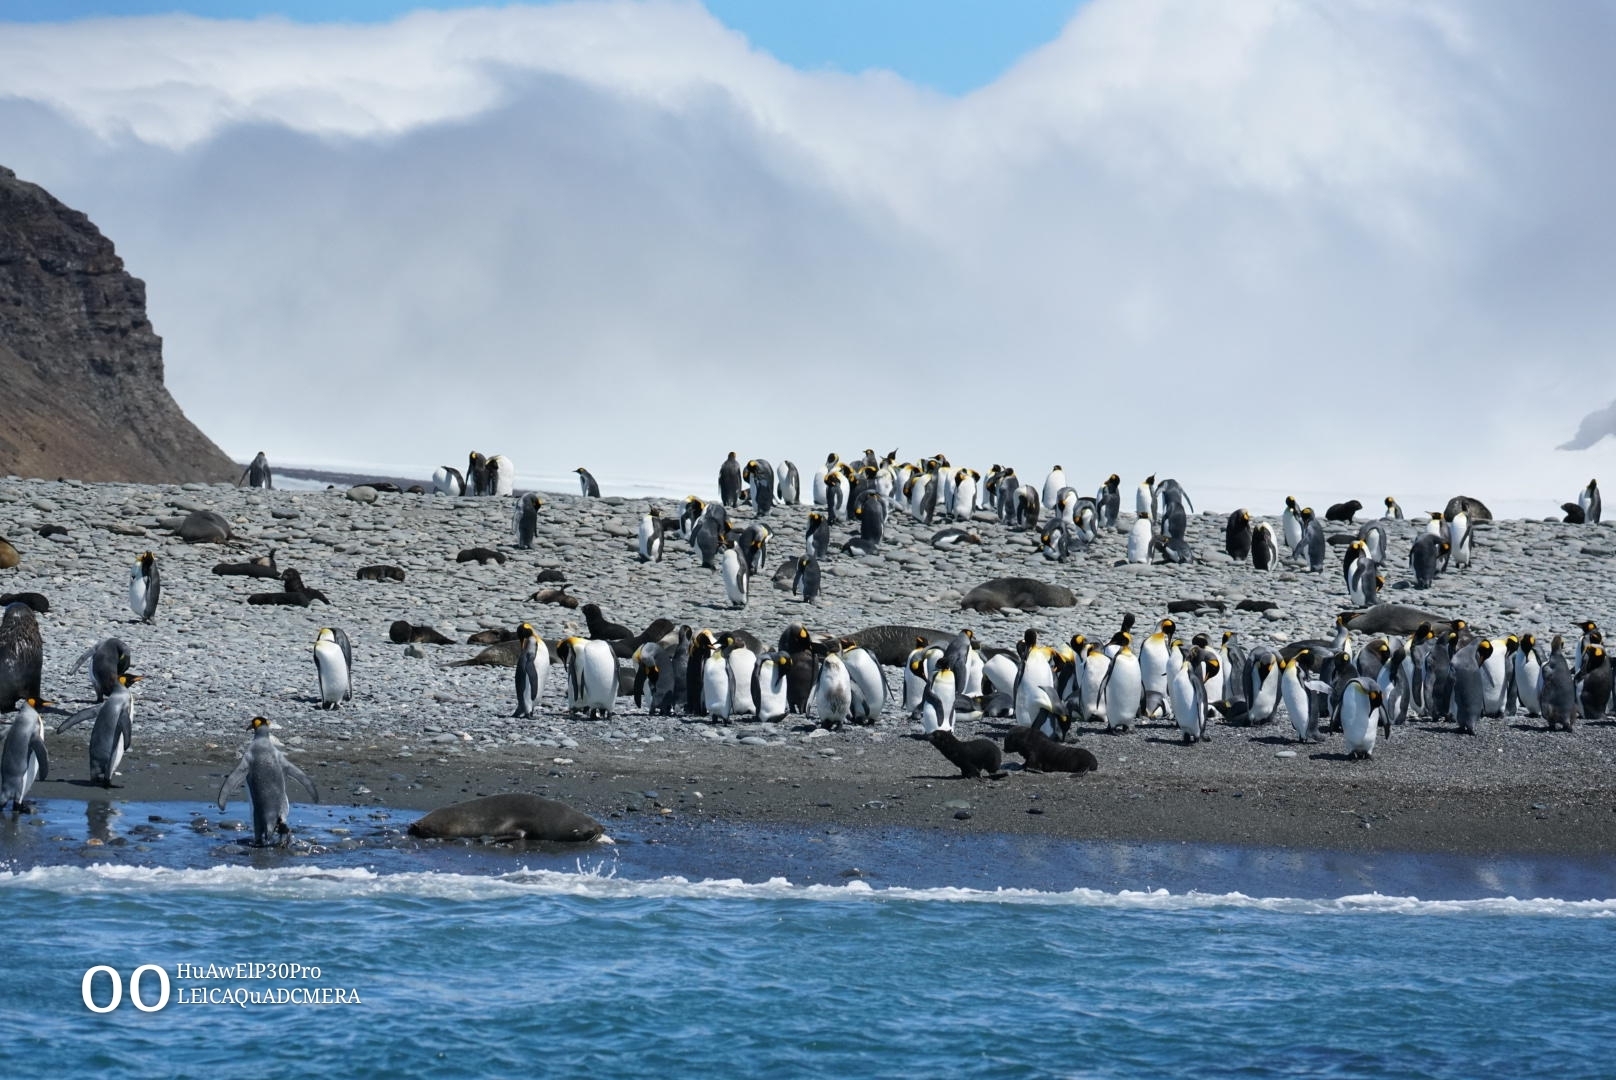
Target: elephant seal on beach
[[8, 555], [205, 527], [1016, 592], [509, 817], [891, 644], [1391, 619]]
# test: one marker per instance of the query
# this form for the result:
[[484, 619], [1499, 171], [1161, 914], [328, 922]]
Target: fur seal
[[1043, 754], [550, 575], [1191, 607], [380, 572], [293, 593], [403, 632], [261, 567], [1574, 514], [491, 637], [1256, 605], [481, 555], [47, 531], [22, 656], [555, 596], [1016, 592], [205, 527], [499, 654], [1474, 509], [8, 555], [975, 759], [1343, 511], [509, 817], [1390, 619], [33, 600], [602, 628]]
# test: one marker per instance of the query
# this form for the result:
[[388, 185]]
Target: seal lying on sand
[[1043, 754], [205, 527], [261, 567], [1017, 592], [509, 817], [1474, 509], [404, 632], [891, 644], [1391, 619]]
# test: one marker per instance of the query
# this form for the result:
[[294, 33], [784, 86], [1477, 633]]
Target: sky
[[1345, 248]]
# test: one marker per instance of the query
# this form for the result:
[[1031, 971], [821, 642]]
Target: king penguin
[[1590, 503], [806, 580], [145, 587], [23, 758], [113, 732], [532, 665], [525, 521], [333, 663], [650, 541], [586, 484], [265, 769]]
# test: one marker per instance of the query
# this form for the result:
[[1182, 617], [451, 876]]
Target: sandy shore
[[421, 735]]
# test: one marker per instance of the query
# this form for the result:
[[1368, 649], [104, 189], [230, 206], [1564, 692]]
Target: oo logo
[[87, 986]]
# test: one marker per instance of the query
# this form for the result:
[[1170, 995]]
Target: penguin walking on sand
[[145, 587], [806, 580], [333, 663], [586, 484], [1589, 502], [113, 732], [257, 475], [22, 757], [532, 666], [736, 578], [265, 769], [525, 520], [650, 539]]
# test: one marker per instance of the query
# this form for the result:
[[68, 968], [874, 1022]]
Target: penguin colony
[[1351, 687]]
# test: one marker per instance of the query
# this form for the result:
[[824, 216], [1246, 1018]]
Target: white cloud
[[1321, 246]]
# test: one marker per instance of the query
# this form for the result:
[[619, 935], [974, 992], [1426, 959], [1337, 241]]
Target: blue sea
[[718, 950]]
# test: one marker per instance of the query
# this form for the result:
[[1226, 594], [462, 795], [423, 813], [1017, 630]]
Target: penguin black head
[[802, 562], [258, 723], [524, 632], [1121, 638], [1127, 621], [1390, 502], [1484, 648], [1212, 666], [129, 680], [1587, 626]]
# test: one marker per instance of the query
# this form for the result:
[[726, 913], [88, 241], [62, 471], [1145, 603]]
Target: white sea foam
[[596, 880]]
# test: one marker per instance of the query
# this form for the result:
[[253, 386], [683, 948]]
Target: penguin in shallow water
[[806, 580], [113, 732], [532, 665], [22, 757], [257, 475], [1589, 502], [525, 523], [586, 484], [1264, 551], [265, 769], [22, 655], [333, 663], [1237, 535], [145, 587]]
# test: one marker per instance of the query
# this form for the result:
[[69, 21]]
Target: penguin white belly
[[742, 662], [833, 694], [771, 696], [1153, 667], [1292, 527], [734, 586], [1358, 727], [1181, 693], [999, 669], [715, 696], [1528, 674], [505, 475], [137, 592], [1089, 682], [1297, 705], [599, 675], [1124, 692], [1139, 541], [1266, 700], [964, 499], [333, 671], [864, 679], [973, 673], [1035, 676], [819, 488], [648, 529], [914, 690], [917, 496], [1494, 681]]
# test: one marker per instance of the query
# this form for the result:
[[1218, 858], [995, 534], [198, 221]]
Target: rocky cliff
[[81, 371]]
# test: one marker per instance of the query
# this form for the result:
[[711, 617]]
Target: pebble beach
[[420, 734]]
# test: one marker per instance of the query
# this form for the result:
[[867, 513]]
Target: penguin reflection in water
[[265, 769]]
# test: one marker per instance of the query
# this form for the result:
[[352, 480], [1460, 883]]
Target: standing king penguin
[[265, 769]]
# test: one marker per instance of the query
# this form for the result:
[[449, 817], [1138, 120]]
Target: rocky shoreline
[[420, 734]]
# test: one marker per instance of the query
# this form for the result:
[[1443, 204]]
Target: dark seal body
[[1043, 754], [1016, 592], [481, 556], [510, 817], [380, 572], [975, 759], [404, 632]]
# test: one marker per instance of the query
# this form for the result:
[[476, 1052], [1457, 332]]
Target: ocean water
[[684, 950]]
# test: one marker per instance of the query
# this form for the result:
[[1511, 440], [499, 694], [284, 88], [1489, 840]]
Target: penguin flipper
[[81, 715], [74, 670], [234, 780], [36, 746], [301, 777]]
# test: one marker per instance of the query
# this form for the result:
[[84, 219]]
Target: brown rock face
[[81, 371]]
